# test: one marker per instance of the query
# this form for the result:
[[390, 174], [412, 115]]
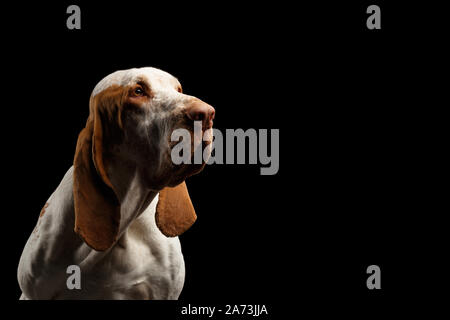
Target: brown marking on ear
[[97, 209], [43, 210], [106, 111], [174, 212]]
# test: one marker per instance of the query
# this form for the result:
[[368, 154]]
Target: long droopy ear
[[97, 209], [174, 212]]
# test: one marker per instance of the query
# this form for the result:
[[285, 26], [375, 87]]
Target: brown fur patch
[[97, 210], [43, 210], [174, 212]]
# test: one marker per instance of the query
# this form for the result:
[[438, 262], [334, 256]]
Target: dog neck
[[134, 197]]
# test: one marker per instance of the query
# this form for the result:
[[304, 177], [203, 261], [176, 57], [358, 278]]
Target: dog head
[[132, 116]]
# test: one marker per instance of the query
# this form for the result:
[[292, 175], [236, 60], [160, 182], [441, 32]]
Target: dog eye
[[138, 92]]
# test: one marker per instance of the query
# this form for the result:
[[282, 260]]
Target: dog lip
[[208, 126]]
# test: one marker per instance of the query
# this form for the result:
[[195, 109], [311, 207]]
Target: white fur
[[144, 264], [157, 79]]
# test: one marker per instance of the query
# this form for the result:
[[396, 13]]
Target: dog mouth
[[190, 147], [203, 137], [187, 152]]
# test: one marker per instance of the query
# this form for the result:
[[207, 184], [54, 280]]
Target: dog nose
[[201, 111]]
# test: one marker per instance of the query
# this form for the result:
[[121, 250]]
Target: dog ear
[[97, 209], [174, 212]]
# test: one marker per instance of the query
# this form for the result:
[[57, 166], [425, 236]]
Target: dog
[[118, 211]]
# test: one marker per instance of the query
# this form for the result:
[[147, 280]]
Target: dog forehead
[[156, 78]]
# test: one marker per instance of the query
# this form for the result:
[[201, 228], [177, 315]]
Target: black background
[[349, 105]]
